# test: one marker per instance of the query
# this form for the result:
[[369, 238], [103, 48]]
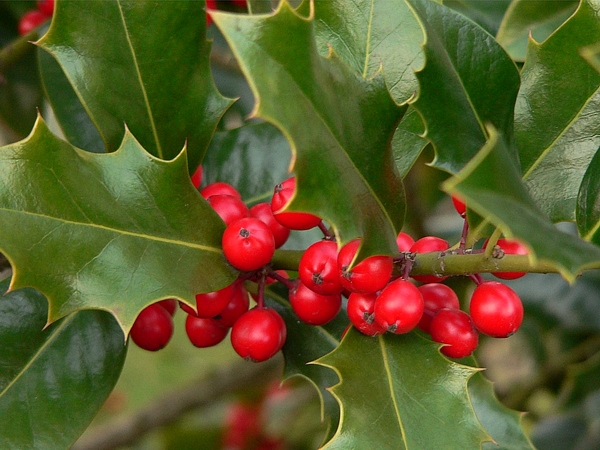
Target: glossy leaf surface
[[372, 36], [340, 143], [53, 380], [468, 80], [135, 228], [538, 18], [506, 203], [398, 392], [126, 67], [556, 115]]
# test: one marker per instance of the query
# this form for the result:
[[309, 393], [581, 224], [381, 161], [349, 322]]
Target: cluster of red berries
[[381, 296], [35, 17]]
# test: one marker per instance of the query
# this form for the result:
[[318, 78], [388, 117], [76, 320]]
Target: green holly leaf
[[306, 343], [468, 80], [340, 143], [588, 206], [70, 114], [408, 141], [125, 66], [121, 230], [54, 379], [506, 203], [371, 36], [503, 424], [398, 392], [555, 115], [488, 15], [535, 18]]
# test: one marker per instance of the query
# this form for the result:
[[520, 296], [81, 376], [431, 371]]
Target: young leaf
[[505, 202], [340, 142], [126, 67], [398, 392], [468, 81], [370, 36], [535, 18], [555, 115], [113, 231], [53, 380]]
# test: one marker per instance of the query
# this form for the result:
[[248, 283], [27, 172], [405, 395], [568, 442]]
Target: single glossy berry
[[237, 306], [510, 247], [293, 220], [169, 304], [259, 334], [30, 21], [454, 327], [248, 244], [370, 275], [153, 328], [318, 268], [220, 188], [459, 205], [313, 308], [228, 207], [263, 212], [399, 307], [197, 177], [429, 244], [204, 332], [435, 297], [496, 309], [361, 312], [404, 241], [46, 7]]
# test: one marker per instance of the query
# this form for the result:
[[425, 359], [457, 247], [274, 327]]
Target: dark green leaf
[[408, 142], [588, 202], [487, 14], [398, 392], [142, 63], [506, 203], [556, 126], [340, 142], [538, 18], [110, 231], [72, 118], [372, 36], [53, 380], [468, 81]]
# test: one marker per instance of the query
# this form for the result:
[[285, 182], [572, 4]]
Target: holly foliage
[[99, 218]]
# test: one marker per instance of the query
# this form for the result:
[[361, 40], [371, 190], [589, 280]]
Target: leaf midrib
[[117, 231]]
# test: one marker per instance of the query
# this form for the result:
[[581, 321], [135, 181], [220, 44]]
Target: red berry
[[239, 3], [361, 308], [259, 334], [370, 275], [248, 244], [404, 242], [313, 308], [399, 307], [228, 207], [204, 332], [459, 205], [169, 304], [510, 247], [46, 7], [242, 426], [210, 4], [212, 303], [293, 220], [30, 21], [454, 328], [429, 244], [153, 328], [237, 306], [263, 212], [220, 188], [435, 297], [197, 177], [496, 309], [318, 268]]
